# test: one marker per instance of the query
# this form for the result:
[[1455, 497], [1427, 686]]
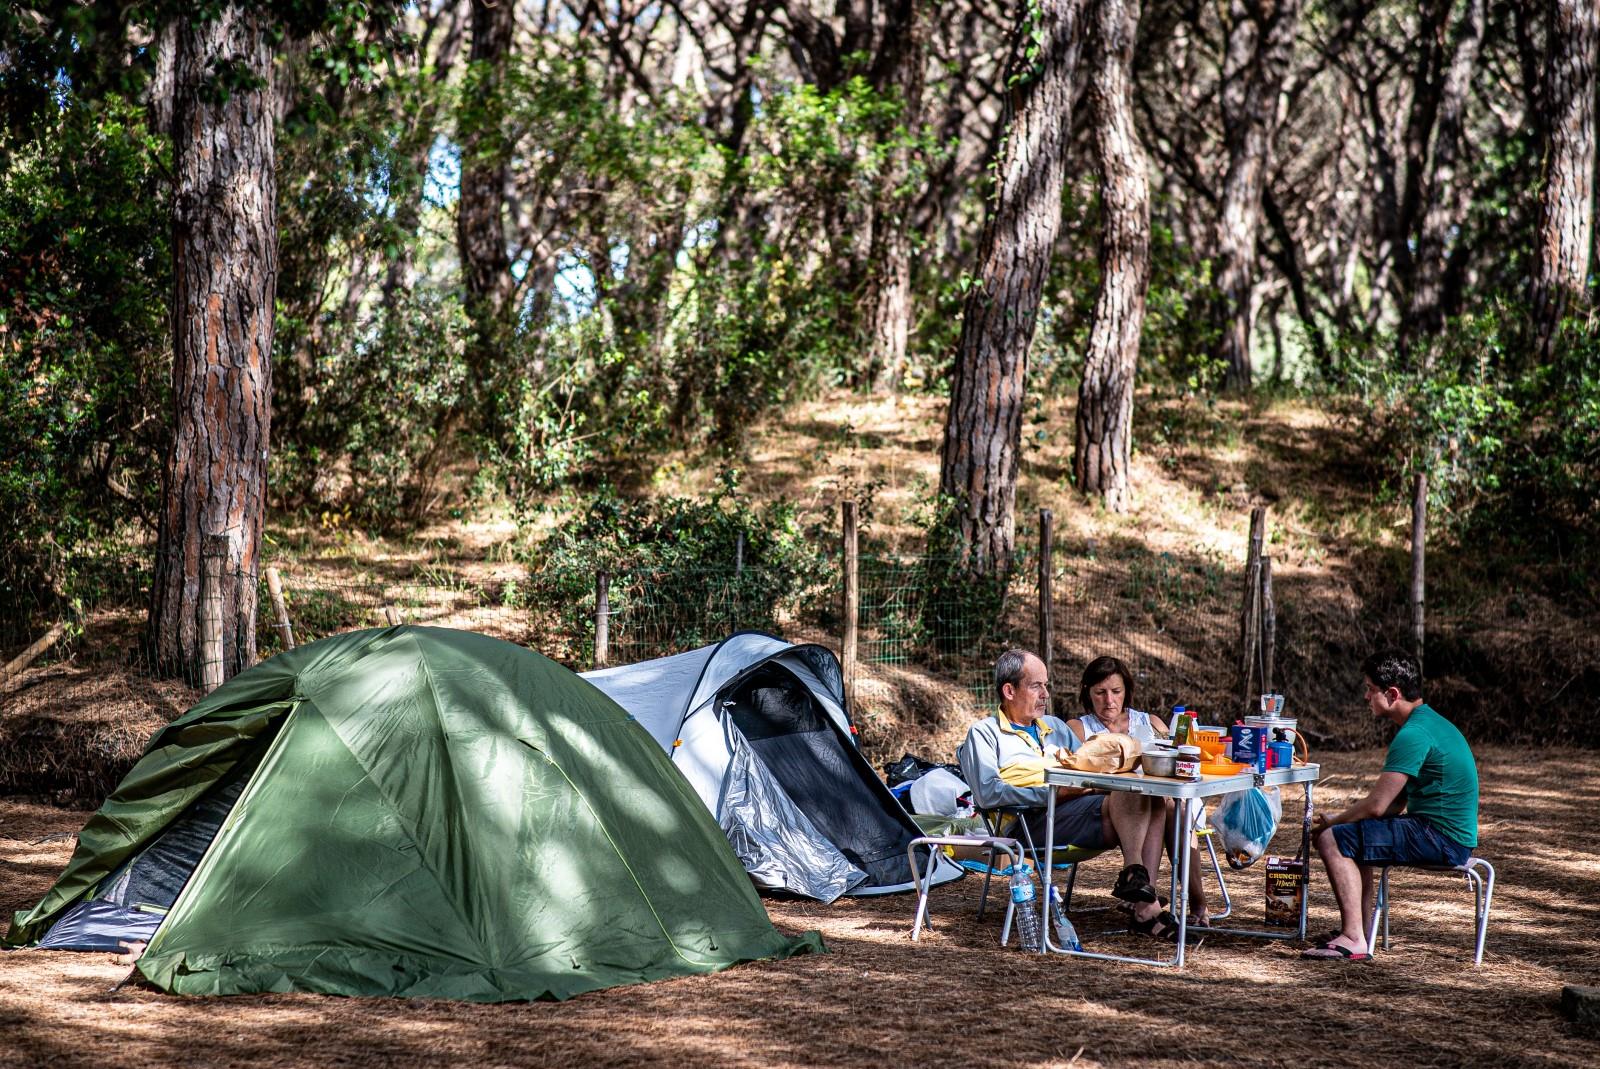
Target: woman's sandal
[[1133, 885], [1334, 952], [1163, 926]]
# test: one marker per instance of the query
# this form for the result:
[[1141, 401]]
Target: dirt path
[[953, 999]]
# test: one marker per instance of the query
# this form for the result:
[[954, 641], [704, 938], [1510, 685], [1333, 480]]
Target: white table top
[[1162, 787]]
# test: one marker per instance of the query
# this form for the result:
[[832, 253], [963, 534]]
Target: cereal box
[[1286, 887]]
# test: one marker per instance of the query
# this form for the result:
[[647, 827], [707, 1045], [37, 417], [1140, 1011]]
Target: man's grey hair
[[1008, 669]]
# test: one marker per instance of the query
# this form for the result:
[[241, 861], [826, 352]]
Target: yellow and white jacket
[[1004, 766]]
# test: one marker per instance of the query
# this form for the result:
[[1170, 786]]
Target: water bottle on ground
[[1025, 915], [1066, 934]]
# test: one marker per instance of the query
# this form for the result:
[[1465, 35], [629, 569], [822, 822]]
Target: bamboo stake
[[852, 601], [275, 592], [1269, 627], [213, 555], [1419, 531], [1047, 637], [1250, 614], [602, 618]]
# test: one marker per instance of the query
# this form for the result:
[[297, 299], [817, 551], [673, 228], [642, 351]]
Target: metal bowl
[[1159, 763]]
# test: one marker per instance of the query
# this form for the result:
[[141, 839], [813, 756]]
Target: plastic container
[[1025, 912], [1179, 725], [1066, 934], [1188, 763]]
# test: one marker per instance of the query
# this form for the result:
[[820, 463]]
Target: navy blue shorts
[[1397, 841], [1078, 823]]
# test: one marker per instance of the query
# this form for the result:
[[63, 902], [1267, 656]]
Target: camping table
[[1186, 793]]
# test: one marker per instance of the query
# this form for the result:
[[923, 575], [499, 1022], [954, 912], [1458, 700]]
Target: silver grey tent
[[759, 728]]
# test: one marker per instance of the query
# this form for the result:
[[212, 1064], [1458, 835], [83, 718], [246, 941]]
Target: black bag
[[911, 767]]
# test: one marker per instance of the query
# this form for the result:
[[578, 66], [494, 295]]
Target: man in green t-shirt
[[1422, 811]]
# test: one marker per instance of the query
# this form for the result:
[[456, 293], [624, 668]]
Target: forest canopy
[[511, 248]]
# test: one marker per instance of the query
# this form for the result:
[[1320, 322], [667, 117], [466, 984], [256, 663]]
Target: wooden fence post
[[1269, 626], [738, 555], [281, 611], [602, 618], [1047, 630], [852, 601], [1250, 614], [391, 616], [1419, 527], [213, 559]]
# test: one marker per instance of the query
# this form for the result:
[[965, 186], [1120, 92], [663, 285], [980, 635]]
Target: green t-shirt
[[1443, 784]]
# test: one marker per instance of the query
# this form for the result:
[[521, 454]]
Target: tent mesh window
[[820, 770]]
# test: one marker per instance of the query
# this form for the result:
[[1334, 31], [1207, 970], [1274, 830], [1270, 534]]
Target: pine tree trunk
[[1566, 221], [889, 293], [480, 222], [224, 219], [1446, 193], [1260, 40], [1104, 447], [983, 427]]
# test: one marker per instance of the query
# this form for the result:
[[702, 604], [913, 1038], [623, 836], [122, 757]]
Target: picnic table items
[[1186, 794]]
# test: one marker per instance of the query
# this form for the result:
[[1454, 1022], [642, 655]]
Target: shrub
[[674, 582]]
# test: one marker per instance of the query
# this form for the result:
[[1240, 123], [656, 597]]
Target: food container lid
[[1189, 751]]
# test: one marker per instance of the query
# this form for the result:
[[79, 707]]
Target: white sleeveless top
[[1139, 725]]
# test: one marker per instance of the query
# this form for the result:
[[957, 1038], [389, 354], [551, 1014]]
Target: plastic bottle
[[1025, 913], [1180, 725], [1066, 934]]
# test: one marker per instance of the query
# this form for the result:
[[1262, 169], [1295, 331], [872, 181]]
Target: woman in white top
[[1105, 692]]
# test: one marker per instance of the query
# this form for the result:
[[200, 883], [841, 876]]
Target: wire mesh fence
[[1173, 620]]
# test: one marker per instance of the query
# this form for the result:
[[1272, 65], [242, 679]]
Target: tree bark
[[1260, 40], [889, 285], [1104, 447], [983, 426], [1445, 205], [1566, 201], [224, 220], [480, 216]]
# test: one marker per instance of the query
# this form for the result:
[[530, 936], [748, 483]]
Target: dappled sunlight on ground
[[955, 996]]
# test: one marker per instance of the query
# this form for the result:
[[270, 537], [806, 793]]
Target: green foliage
[[1175, 348], [84, 369], [962, 597], [1160, 583], [672, 559], [1501, 439]]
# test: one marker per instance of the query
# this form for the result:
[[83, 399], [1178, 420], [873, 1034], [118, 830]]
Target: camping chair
[[1479, 875], [1012, 822]]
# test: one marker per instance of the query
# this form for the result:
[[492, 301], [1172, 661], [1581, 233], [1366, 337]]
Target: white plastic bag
[[1246, 820], [937, 792]]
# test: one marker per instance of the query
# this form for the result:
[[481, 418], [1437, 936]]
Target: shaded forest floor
[[1161, 584], [954, 997]]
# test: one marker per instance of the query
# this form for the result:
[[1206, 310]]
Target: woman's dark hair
[[1099, 670]]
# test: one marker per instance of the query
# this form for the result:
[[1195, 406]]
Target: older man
[[1005, 757], [1422, 811]]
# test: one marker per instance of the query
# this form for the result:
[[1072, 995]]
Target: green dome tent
[[412, 812]]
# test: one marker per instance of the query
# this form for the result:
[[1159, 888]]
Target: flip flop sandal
[[1133, 885], [1334, 952]]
